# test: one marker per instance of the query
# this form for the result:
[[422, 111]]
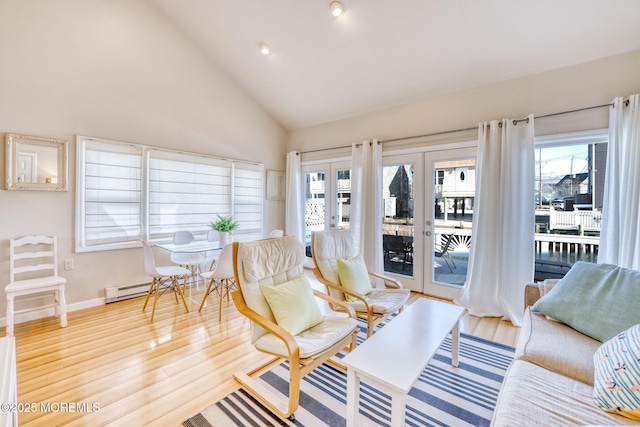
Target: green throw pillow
[[293, 305], [353, 275], [616, 386], [599, 300]]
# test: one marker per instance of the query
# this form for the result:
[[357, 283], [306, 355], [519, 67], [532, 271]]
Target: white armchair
[[376, 303], [283, 323]]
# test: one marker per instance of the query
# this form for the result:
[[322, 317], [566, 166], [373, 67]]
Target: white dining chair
[[160, 276], [276, 233], [189, 260], [221, 279], [35, 260], [211, 256]]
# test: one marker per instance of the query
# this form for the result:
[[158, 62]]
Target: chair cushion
[[328, 247], [383, 301], [293, 305], [353, 275], [312, 341], [594, 291], [616, 386], [266, 262], [264, 259]]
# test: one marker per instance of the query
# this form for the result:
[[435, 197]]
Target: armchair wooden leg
[[370, 326], [295, 377]]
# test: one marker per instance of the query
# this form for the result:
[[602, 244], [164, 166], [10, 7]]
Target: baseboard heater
[[121, 293]]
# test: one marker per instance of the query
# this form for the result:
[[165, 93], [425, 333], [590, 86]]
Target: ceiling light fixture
[[264, 48], [336, 8]]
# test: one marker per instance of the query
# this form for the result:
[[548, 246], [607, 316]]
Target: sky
[[560, 161]]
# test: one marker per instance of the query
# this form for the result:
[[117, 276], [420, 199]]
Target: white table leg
[[455, 344], [398, 407], [353, 395]]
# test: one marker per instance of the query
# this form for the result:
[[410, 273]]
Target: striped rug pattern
[[443, 395]]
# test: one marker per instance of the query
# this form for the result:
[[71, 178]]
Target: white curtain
[[365, 220], [294, 216], [620, 234], [502, 254]]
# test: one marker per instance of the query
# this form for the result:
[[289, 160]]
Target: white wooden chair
[[223, 273], [386, 296], [36, 257], [161, 275], [211, 257], [273, 263]]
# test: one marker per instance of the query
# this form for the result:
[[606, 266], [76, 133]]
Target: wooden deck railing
[[554, 247]]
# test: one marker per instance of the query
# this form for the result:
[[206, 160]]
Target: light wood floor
[[143, 373]]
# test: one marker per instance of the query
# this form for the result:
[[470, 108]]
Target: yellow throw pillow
[[293, 305], [353, 275], [616, 386]]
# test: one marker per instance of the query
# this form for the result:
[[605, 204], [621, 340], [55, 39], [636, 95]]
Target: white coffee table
[[393, 358]]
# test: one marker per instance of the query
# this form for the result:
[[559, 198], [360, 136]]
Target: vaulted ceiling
[[384, 53]]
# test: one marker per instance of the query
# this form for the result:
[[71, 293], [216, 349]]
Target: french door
[[428, 211], [327, 198]]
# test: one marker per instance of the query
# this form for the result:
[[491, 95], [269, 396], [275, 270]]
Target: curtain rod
[[464, 129], [515, 122]]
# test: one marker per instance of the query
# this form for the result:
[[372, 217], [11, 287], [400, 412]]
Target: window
[[127, 193], [185, 191], [111, 187], [569, 189]]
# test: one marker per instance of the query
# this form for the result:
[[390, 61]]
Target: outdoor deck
[[555, 254], [442, 274]]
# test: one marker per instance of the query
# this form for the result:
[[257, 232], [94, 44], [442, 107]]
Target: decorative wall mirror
[[35, 163]]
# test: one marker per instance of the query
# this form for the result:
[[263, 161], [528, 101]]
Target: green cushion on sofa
[[293, 304], [599, 300], [354, 276]]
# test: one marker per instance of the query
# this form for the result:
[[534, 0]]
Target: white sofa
[[550, 382]]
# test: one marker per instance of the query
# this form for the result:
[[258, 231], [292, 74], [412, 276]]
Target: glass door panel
[[450, 192], [327, 201], [315, 213], [402, 201], [340, 218]]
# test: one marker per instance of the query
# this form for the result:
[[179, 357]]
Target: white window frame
[[248, 177]]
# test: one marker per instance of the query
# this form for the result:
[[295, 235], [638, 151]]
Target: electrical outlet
[[68, 264]]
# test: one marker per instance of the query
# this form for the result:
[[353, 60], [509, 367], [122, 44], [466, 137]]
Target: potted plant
[[224, 225]]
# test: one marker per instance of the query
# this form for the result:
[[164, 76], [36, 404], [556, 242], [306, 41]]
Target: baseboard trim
[[50, 311]]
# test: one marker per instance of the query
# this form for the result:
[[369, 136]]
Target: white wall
[[117, 70], [580, 86]]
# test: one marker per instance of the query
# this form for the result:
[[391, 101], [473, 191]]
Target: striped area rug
[[443, 395]]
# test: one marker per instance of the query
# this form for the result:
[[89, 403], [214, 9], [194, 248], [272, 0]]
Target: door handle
[[427, 233]]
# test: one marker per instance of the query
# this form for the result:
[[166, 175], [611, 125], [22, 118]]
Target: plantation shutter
[[248, 200], [186, 192], [112, 194]]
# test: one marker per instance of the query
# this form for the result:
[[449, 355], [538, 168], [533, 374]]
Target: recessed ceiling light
[[336, 8], [264, 48]]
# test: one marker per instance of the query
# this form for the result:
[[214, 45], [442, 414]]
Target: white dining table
[[194, 247], [197, 246]]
